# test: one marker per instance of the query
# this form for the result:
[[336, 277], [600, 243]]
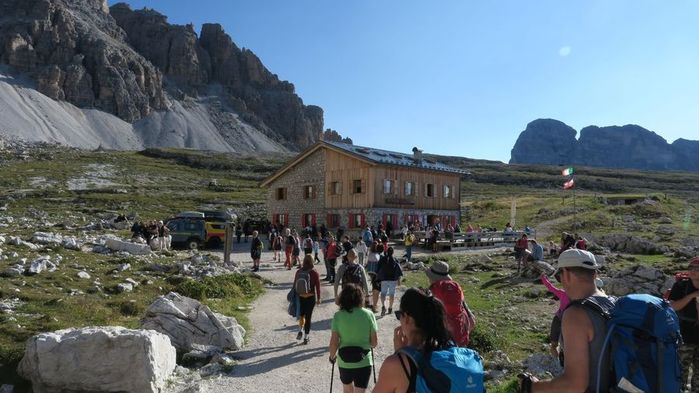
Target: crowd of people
[[364, 274], [154, 233]]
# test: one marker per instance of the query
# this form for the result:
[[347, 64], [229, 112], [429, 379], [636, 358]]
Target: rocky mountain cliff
[[164, 84], [551, 142]]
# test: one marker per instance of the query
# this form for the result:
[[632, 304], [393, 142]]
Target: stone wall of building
[[310, 171]]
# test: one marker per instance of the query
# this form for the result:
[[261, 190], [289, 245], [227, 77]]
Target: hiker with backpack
[[353, 336], [460, 319], [425, 358], [683, 298], [351, 273], [583, 331], [308, 244], [331, 254], [628, 344], [307, 286], [256, 251], [389, 274]]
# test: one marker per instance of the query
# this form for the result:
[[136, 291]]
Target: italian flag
[[568, 171], [569, 184]]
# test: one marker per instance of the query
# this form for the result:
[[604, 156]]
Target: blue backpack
[[643, 337], [451, 370]]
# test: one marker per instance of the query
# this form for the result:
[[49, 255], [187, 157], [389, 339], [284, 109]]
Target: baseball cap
[[577, 258], [694, 263]]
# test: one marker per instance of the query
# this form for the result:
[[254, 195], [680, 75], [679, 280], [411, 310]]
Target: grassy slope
[[158, 183]]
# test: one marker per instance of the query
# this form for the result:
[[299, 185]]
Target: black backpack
[[353, 275]]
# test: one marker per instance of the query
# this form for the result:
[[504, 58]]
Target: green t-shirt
[[354, 329]]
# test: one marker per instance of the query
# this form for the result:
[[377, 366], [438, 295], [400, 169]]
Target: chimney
[[417, 154]]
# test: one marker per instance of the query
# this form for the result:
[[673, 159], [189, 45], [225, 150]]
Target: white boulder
[[98, 359], [84, 275], [131, 248], [187, 322]]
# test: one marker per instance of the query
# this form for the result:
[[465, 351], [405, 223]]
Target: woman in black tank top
[[422, 328]]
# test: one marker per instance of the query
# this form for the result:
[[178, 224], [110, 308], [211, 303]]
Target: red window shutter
[[383, 220], [363, 220], [327, 220], [286, 220], [313, 219]]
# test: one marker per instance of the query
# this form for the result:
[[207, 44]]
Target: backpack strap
[[412, 373]]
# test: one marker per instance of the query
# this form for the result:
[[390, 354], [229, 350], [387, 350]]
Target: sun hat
[[439, 270]]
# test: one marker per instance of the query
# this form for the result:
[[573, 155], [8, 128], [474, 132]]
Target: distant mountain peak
[[552, 142]]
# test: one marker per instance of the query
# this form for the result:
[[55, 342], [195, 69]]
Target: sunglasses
[[399, 314], [557, 276]]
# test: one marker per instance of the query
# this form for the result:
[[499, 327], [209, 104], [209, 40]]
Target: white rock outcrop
[[131, 248], [98, 359], [186, 321], [638, 279]]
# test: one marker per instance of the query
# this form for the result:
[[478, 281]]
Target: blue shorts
[[388, 288]]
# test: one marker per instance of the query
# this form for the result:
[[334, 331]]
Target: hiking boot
[[299, 336], [305, 340], [390, 311], [383, 310]]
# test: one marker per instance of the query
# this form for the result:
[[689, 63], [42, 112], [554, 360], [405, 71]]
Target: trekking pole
[[332, 376], [373, 364]]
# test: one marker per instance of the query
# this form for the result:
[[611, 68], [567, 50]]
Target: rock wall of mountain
[[132, 63], [551, 142], [76, 52], [192, 63]]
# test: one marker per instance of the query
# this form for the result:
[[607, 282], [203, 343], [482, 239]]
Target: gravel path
[[273, 361]]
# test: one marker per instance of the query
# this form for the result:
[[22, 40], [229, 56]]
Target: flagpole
[[575, 210]]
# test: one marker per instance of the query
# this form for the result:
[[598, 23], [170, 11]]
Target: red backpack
[[460, 320]]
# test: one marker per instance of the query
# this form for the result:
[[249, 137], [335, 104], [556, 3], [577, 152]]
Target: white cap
[[577, 258]]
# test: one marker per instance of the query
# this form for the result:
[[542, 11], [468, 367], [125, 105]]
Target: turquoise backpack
[[451, 370]]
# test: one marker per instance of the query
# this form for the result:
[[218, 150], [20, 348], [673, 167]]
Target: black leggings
[[307, 305]]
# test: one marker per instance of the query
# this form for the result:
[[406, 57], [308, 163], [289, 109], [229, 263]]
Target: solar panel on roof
[[378, 153], [362, 151], [398, 156]]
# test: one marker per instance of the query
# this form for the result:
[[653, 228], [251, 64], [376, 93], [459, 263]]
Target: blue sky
[[462, 77]]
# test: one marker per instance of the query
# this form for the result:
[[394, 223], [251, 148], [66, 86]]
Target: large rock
[[622, 242], [131, 248], [548, 141], [638, 279], [98, 359], [188, 322]]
